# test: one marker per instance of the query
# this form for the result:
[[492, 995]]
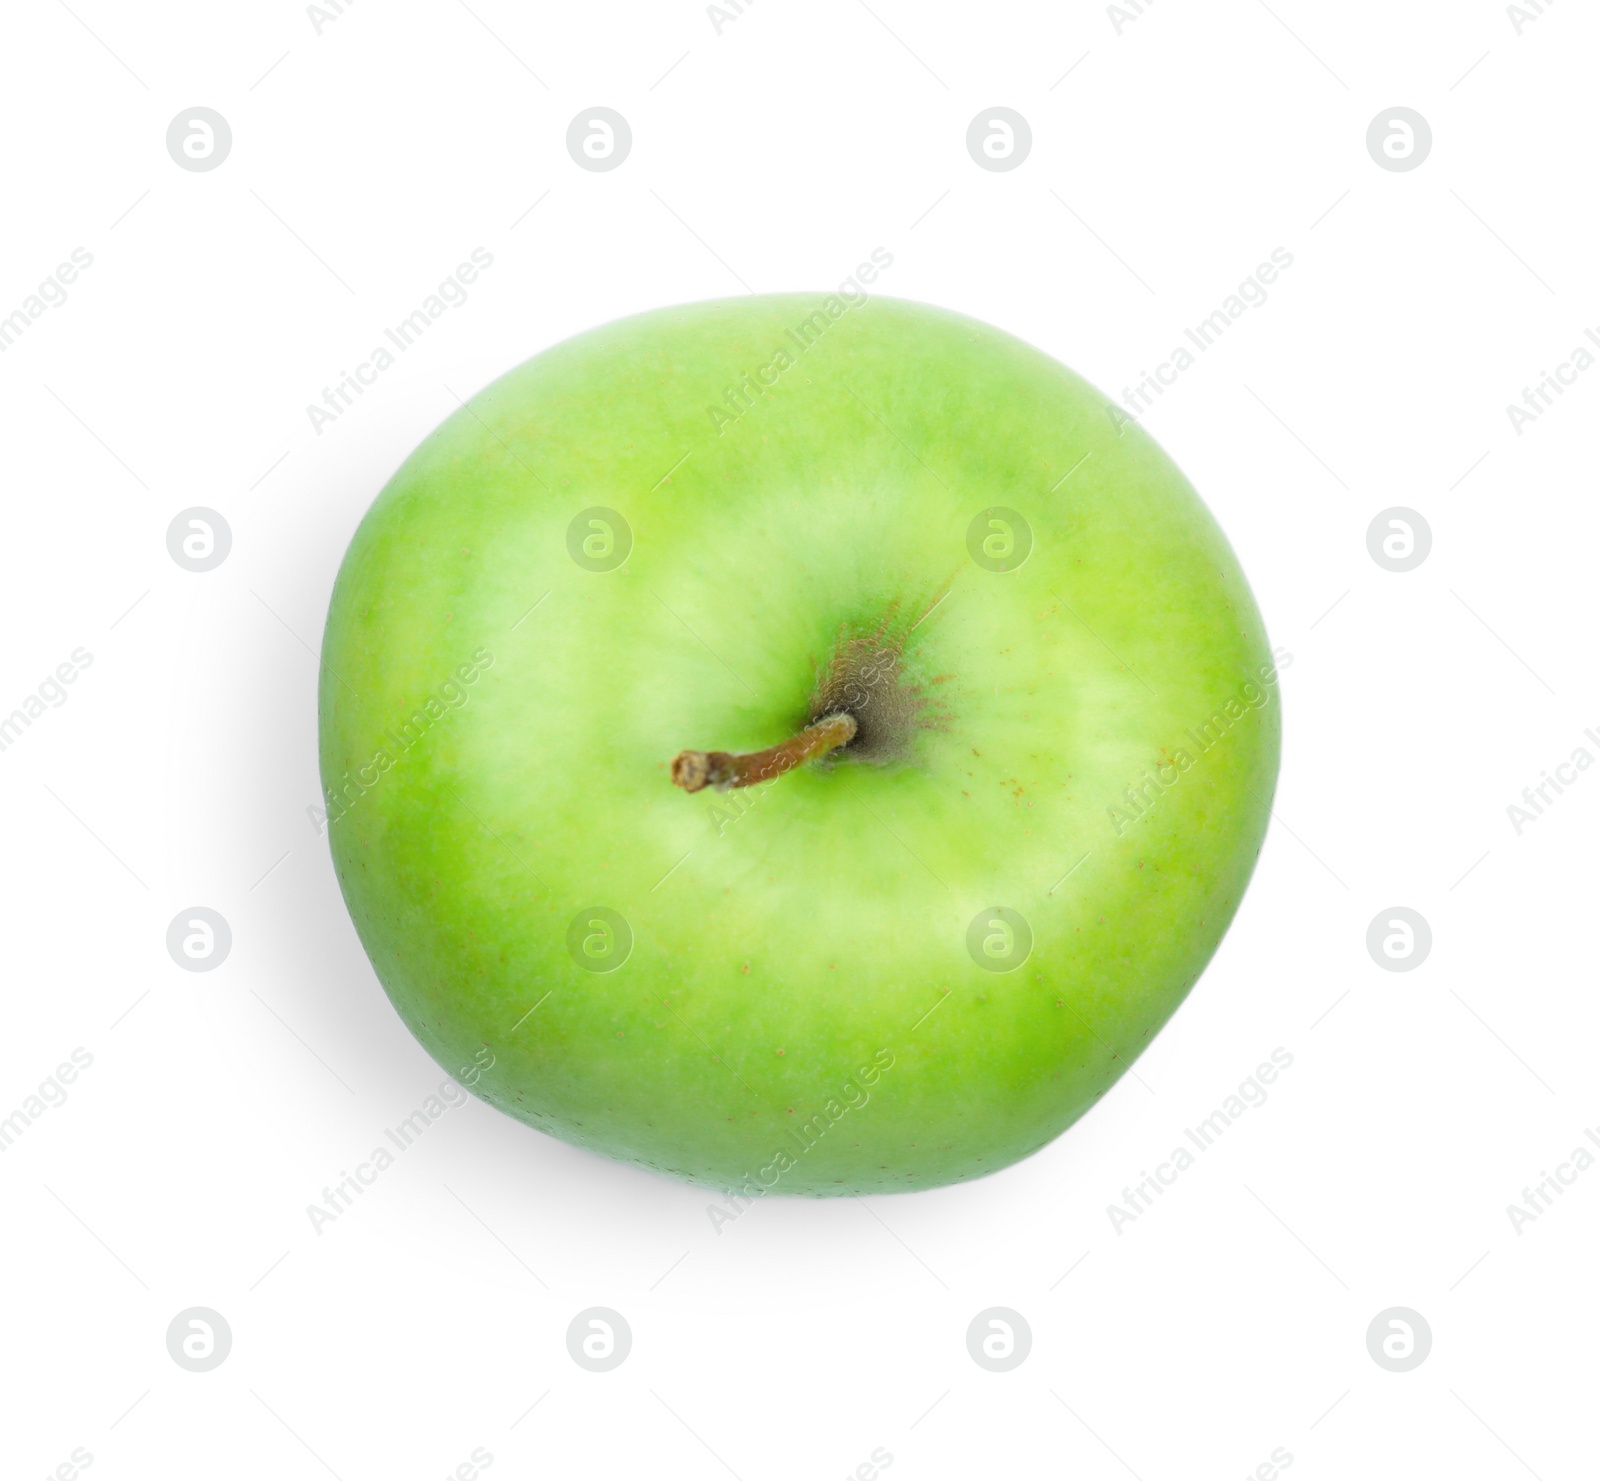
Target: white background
[[1168, 160]]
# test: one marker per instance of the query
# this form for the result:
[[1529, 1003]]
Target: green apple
[[971, 714]]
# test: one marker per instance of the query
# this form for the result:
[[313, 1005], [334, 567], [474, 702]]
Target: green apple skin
[[799, 1012]]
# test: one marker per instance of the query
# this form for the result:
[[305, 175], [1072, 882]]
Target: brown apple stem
[[693, 770]]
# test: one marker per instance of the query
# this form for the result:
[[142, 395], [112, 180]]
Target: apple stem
[[693, 770]]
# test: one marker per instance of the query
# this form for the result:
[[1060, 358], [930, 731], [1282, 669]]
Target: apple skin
[[799, 1012]]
